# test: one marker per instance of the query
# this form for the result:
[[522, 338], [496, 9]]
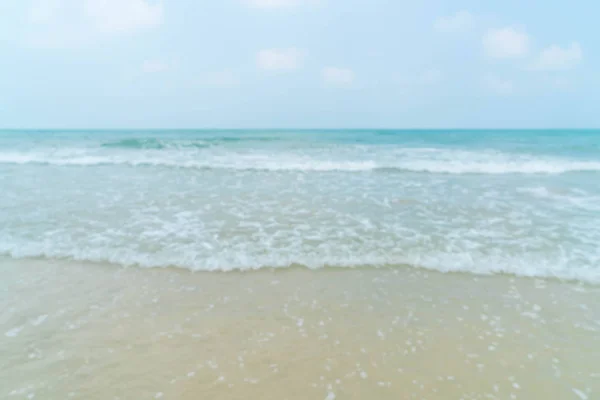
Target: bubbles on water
[[266, 204], [14, 331], [581, 394]]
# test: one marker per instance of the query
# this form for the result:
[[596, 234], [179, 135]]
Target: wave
[[136, 144], [159, 144], [156, 144], [443, 262], [581, 200], [294, 163]]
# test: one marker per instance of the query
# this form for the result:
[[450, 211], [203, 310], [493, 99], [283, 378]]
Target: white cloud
[[338, 76], [116, 16], [430, 77], [556, 58], [223, 79], [499, 86], [457, 22], [561, 83], [154, 66], [43, 11], [72, 23], [506, 42], [280, 59], [426, 77], [273, 4]]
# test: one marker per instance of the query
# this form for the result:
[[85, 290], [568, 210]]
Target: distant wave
[[157, 144], [283, 163], [136, 144], [518, 167]]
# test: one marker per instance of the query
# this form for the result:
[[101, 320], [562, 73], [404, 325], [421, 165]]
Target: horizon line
[[299, 129]]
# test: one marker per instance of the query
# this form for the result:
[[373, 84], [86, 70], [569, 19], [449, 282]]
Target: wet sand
[[91, 331]]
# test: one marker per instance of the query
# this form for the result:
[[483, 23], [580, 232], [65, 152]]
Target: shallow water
[[72, 330], [295, 265]]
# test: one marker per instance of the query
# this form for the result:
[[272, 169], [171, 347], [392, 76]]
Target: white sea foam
[[581, 394], [14, 331], [410, 160], [39, 320], [520, 265]]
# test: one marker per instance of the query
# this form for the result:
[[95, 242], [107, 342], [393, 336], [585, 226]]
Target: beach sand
[[92, 331]]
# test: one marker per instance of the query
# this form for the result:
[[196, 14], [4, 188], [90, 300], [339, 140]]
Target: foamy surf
[[207, 201], [374, 264], [149, 333], [445, 263], [449, 162]]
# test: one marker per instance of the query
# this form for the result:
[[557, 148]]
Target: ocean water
[[482, 202]]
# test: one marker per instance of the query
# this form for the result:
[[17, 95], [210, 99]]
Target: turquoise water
[[519, 202]]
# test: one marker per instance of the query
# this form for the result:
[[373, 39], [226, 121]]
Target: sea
[[522, 202], [288, 264]]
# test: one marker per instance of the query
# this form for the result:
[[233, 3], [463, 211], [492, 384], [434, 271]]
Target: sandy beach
[[93, 331]]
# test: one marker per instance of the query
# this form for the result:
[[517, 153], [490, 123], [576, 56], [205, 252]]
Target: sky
[[106, 64]]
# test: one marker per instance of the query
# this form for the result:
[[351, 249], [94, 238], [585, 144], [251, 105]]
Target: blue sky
[[299, 64]]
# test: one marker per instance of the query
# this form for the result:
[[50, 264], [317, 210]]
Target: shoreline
[[4, 259], [75, 330]]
